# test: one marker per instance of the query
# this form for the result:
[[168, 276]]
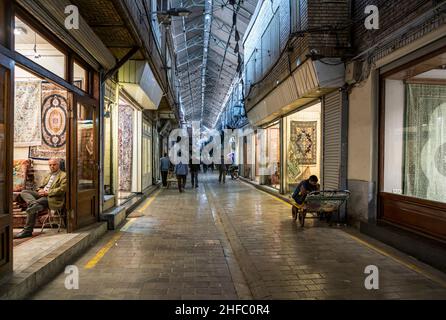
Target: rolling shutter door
[[332, 115]]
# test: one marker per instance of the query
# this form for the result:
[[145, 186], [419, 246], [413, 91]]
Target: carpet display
[[302, 150], [19, 174], [86, 156], [125, 138], [303, 142], [27, 114], [54, 123]]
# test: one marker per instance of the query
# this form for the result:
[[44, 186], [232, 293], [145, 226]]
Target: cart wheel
[[302, 219]]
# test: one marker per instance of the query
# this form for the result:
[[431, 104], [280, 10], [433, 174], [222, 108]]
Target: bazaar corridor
[[233, 241]]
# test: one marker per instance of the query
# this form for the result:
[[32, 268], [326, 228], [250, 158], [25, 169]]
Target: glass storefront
[[302, 146], [413, 140], [146, 155], [268, 156], [45, 127], [415, 135]]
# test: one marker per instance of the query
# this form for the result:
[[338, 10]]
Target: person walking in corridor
[[181, 173], [194, 169], [223, 169], [164, 167]]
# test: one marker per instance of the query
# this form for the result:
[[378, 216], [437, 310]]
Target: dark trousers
[[35, 203], [181, 183], [194, 177], [164, 177], [222, 176]]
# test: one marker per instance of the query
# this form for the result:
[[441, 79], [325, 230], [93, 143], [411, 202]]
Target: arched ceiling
[[207, 61]]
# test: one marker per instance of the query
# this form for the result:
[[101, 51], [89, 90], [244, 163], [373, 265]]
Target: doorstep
[[35, 265], [117, 215]]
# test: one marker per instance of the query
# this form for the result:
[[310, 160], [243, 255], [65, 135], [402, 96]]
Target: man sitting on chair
[[51, 195]]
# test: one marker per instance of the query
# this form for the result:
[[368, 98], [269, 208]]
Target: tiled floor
[[232, 241]]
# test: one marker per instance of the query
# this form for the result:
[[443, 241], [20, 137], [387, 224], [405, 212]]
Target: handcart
[[319, 204], [171, 179]]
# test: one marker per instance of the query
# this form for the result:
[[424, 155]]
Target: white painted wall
[[394, 134]]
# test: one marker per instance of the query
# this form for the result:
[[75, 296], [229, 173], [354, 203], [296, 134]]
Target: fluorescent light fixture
[[178, 12]]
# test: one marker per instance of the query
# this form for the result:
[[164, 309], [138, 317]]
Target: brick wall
[[314, 14], [329, 14], [394, 15]]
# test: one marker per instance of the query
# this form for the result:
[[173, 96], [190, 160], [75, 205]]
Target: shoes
[[23, 234]]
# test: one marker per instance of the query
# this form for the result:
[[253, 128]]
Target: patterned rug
[[125, 138], [303, 142], [54, 123], [27, 115]]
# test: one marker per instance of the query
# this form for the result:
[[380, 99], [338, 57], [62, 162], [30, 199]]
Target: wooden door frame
[[8, 64], [73, 154]]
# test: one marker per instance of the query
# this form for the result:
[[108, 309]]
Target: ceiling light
[[178, 12], [36, 55], [19, 31]]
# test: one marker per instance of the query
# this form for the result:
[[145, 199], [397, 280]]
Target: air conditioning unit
[[353, 72]]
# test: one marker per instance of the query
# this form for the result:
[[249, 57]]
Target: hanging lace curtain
[[425, 142]]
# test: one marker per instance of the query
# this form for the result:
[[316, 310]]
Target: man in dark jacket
[[304, 188]]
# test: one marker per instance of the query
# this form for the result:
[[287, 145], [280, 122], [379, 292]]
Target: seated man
[[303, 189], [51, 195]]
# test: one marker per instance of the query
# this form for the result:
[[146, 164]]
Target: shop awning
[[139, 82], [312, 80]]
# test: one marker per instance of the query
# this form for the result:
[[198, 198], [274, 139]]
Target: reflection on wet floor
[[206, 242]]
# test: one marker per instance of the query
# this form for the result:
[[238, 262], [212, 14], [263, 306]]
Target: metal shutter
[[332, 115]]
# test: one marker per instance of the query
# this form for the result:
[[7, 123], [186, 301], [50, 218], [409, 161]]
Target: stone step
[[23, 283]]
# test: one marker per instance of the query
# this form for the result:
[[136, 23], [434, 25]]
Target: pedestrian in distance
[[181, 172]]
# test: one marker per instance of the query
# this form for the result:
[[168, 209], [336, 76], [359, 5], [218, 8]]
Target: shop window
[[415, 135], [147, 155], [32, 45], [268, 156], [302, 146], [80, 77], [86, 147], [40, 133]]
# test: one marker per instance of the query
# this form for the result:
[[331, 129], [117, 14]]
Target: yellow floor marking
[[396, 259], [276, 198], [149, 202], [127, 225], [382, 252], [101, 253], [94, 261]]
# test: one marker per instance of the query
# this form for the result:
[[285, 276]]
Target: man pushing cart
[[308, 199]]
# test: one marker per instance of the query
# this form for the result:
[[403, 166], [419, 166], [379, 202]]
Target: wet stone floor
[[230, 242]]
